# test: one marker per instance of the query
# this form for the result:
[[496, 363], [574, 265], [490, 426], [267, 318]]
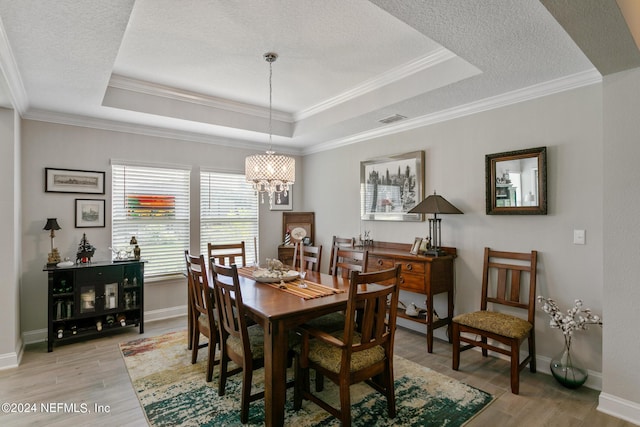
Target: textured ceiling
[[194, 69]]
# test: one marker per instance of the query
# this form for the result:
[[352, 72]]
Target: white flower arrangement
[[576, 318], [564, 367]]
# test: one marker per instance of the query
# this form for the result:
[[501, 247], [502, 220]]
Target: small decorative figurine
[[85, 250]]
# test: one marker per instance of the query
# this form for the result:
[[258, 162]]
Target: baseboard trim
[[619, 408], [12, 360], [165, 313]]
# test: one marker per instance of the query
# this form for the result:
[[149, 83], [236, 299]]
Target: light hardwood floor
[[93, 372]]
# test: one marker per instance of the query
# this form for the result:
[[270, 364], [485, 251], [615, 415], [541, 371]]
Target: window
[[228, 211], [152, 203]]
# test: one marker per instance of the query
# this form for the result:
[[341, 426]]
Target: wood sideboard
[[427, 275]]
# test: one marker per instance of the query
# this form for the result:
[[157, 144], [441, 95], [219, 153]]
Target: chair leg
[[515, 368], [455, 335], [299, 381], [390, 391], [195, 345], [223, 371], [345, 404], [532, 353], [247, 374], [485, 352], [212, 356]]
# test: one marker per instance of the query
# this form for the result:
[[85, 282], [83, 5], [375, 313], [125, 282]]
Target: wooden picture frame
[[391, 186], [90, 213], [516, 182], [415, 248], [283, 202], [73, 181]]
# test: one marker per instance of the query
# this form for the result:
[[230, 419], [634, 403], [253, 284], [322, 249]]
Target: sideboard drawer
[[412, 282], [378, 263], [99, 275], [412, 267]]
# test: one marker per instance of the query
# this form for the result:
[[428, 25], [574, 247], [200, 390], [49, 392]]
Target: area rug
[[174, 392]]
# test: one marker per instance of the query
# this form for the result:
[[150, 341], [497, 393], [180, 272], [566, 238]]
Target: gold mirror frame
[[517, 182]]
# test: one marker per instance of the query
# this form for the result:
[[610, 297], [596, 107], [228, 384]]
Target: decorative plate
[[270, 276], [298, 233]]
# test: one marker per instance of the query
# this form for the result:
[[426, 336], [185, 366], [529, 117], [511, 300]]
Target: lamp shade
[[52, 224], [435, 204]]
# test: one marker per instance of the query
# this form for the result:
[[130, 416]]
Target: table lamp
[[435, 204], [54, 255]]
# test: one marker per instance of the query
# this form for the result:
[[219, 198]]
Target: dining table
[[279, 307]]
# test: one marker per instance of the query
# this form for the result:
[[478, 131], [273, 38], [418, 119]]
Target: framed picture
[[415, 248], [89, 213], [516, 182], [73, 181], [282, 202], [391, 186]]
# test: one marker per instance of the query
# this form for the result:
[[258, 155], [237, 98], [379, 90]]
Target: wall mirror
[[517, 182]]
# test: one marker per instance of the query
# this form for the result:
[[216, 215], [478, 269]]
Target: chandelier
[[270, 173]]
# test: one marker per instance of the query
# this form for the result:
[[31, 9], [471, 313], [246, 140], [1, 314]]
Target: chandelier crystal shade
[[270, 173]]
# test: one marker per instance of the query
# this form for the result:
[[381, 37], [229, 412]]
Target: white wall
[[10, 339], [569, 124], [621, 368], [61, 146]]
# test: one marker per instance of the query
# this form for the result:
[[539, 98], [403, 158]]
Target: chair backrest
[[230, 306], [509, 278], [226, 254], [347, 260], [201, 294], [307, 257], [337, 243], [371, 310]]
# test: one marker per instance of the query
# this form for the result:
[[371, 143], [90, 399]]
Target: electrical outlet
[[578, 237]]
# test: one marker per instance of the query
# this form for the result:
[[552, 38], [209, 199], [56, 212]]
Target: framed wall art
[[517, 182], [391, 186], [73, 181], [90, 213], [282, 202]]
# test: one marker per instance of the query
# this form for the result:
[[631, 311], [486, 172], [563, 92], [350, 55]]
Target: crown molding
[[551, 87], [154, 89], [436, 57], [9, 69], [146, 130]]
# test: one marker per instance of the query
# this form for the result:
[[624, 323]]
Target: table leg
[[275, 372], [429, 303]]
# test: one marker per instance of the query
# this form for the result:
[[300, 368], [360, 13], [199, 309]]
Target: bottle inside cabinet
[[92, 300]]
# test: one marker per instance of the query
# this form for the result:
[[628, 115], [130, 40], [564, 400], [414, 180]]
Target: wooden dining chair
[[227, 254], [347, 260], [203, 309], [340, 242], [307, 257], [508, 280], [240, 343], [354, 355]]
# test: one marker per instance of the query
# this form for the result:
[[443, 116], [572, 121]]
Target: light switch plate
[[578, 237]]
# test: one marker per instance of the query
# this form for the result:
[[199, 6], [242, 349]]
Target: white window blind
[[152, 203], [228, 211]]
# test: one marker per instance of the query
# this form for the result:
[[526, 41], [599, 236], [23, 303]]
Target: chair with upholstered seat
[[354, 355], [227, 254], [347, 260], [240, 343], [307, 257], [508, 280], [337, 243], [203, 309]]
